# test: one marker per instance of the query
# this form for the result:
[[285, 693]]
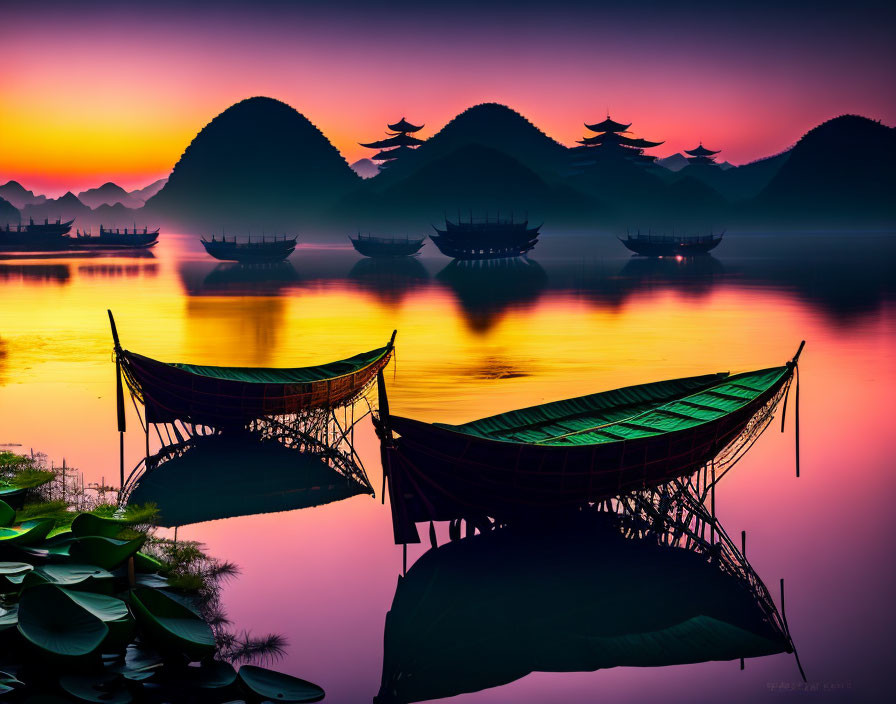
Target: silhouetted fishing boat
[[559, 455], [386, 246], [117, 239], [266, 249], [489, 609], [234, 396], [45, 236], [485, 239], [651, 245]]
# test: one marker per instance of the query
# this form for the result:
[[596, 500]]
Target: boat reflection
[[488, 609], [389, 279], [214, 477], [40, 273], [486, 289]]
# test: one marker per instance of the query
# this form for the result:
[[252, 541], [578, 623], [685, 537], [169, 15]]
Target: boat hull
[[387, 248], [469, 249], [111, 240], [684, 247], [248, 253], [436, 473]]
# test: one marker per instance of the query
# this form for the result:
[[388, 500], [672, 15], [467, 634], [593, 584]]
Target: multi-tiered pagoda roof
[[701, 155], [613, 139], [399, 143]]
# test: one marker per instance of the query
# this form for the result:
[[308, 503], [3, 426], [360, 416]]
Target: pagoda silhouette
[[399, 143], [612, 141], [700, 155]]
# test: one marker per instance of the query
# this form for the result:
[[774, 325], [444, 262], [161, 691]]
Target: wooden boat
[[386, 246], [485, 239], [56, 626], [269, 685], [487, 610], [560, 455], [233, 396], [117, 239], [171, 626], [651, 245], [267, 249], [36, 237]]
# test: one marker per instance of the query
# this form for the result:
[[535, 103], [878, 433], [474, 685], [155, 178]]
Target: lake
[[579, 316]]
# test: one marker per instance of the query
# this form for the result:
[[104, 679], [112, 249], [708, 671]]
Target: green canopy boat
[[170, 625], [232, 396], [567, 453]]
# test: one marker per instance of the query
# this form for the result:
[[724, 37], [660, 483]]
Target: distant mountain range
[[9, 214], [15, 194], [261, 165]]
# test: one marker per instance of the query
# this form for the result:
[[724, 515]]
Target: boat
[[485, 239], [267, 249], [269, 685], [486, 610], [170, 625], [651, 245], [386, 246], [36, 237], [231, 397], [562, 455], [117, 239]]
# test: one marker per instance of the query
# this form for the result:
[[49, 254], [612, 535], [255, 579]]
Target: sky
[[99, 91]]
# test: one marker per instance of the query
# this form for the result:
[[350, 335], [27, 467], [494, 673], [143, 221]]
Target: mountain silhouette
[[118, 215], [108, 194], [67, 207], [258, 164], [844, 168], [365, 168], [675, 162], [16, 194], [147, 192], [737, 183], [8, 213], [491, 125]]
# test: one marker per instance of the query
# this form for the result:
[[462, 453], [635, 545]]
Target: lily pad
[[27, 533], [105, 552], [277, 686], [170, 625], [89, 524], [9, 617], [111, 611], [68, 575], [107, 687], [56, 626], [7, 514]]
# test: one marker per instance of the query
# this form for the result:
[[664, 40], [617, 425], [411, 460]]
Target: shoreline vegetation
[[96, 606]]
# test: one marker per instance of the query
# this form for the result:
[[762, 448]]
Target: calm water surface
[[580, 317]]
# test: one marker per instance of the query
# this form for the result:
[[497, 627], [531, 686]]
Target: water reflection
[[487, 289], [389, 279], [249, 326], [111, 271], [236, 279], [221, 476], [49, 273], [488, 609]]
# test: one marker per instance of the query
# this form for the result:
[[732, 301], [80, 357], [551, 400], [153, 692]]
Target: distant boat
[[266, 249], [651, 245], [386, 246], [45, 236], [485, 239], [117, 239]]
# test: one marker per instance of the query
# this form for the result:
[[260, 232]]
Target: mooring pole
[[743, 543]]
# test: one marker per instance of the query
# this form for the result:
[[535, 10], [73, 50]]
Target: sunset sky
[[91, 92]]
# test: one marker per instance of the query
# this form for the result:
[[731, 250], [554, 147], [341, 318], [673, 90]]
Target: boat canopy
[[233, 396], [628, 413]]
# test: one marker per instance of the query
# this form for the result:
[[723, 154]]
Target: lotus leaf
[[277, 686], [27, 533], [52, 622], [105, 552], [7, 514], [170, 625], [104, 687], [90, 524]]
